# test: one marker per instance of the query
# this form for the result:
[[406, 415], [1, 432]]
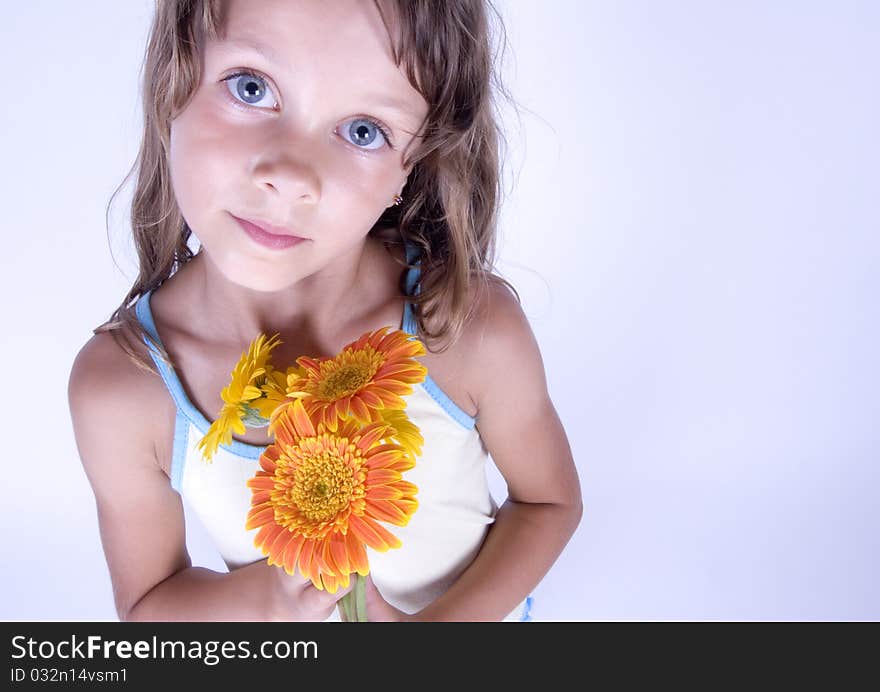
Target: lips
[[268, 235], [269, 228]]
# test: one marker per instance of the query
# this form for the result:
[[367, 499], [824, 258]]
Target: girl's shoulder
[[496, 331], [111, 395], [461, 368]]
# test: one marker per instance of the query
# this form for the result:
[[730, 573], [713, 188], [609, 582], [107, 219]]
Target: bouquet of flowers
[[342, 441]]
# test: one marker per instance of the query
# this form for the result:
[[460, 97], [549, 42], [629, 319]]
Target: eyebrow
[[380, 100]]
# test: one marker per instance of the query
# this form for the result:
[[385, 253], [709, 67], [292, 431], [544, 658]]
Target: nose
[[287, 169]]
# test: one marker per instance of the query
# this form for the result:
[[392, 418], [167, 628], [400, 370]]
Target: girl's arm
[[523, 434], [141, 517]]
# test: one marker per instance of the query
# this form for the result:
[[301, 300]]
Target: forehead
[[343, 43], [311, 21]]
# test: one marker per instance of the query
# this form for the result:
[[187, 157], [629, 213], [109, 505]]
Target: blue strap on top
[[185, 407]]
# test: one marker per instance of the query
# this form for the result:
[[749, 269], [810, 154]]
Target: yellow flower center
[[347, 374], [322, 486]]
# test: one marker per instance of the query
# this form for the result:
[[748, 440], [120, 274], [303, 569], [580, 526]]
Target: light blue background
[[692, 223]]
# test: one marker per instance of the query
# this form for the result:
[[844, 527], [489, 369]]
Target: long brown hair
[[453, 192]]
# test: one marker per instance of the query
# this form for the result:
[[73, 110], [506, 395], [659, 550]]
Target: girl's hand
[[295, 598], [378, 609]]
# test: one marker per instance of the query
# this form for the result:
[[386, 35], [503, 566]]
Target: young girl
[[338, 164]]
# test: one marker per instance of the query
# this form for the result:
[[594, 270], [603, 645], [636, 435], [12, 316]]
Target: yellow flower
[[319, 495], [244, 398], [405, 432], [274, 391], [369, 375]]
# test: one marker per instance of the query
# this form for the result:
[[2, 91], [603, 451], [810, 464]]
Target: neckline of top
[[175, 386]]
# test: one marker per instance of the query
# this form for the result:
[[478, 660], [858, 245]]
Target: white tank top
[[442, 537]]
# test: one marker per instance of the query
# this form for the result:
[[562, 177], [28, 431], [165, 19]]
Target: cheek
[[202, 153], [357, 182], [354, 197]]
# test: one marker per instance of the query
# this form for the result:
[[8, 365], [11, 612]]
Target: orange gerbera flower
[[320, 495], [368, 375]]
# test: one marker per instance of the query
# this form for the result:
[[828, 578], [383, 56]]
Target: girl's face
[[300, 120]]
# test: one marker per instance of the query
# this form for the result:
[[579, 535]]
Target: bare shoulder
[[498, 340], [140, 515], [104, 384]]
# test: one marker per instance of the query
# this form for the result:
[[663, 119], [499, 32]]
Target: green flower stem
[[345, 605], [360, 586], [354, 603]]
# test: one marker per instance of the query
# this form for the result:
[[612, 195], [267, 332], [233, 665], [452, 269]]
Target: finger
[[323, 596], [292, 583], [300, 580]]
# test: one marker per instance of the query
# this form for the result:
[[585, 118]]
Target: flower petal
[[259, 515], [291, 553], [373, 534], [339, 555], [370, 399], [261, 482], [402, 370], [331, 583], [261, 497], [305, 558], [387, 511], [380, 476], [407, 488], [389, 398], [356, 554], [384, 492], [385, 459], [276, 549], [371, 434], [360, 410], [301, 420], [310, 364]]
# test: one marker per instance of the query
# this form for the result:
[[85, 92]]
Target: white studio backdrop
[[692, 224]]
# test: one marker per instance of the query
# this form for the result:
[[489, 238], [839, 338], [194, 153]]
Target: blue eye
[[362, 132], [365, 133], [251, 90]]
